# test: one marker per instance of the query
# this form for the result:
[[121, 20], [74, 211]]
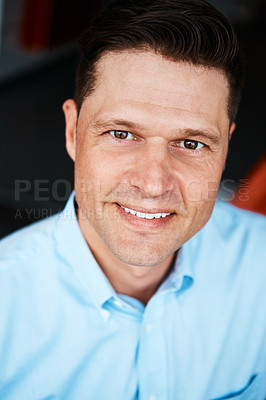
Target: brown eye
[[192, 144], [121, 134]]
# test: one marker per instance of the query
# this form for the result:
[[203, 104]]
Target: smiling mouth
[[144, 215]]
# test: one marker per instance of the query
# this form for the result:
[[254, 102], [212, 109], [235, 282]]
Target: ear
[[71, 115], [231, 130]]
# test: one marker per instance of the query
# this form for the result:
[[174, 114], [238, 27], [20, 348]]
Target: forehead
[[145, 81]]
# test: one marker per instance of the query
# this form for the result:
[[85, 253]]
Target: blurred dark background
[[38, 59]]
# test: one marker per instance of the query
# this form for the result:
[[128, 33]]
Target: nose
[[152, 173]]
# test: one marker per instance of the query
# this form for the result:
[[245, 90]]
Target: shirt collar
[[74, 249], [181, 276]]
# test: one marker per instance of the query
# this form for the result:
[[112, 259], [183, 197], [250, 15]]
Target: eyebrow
[[208, 134], [118, 122]]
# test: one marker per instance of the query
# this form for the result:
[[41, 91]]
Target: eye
[[191, 144], [121, 135]]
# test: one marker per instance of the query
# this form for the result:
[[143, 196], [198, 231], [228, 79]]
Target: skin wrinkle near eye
[[128, 135], [180, 133]]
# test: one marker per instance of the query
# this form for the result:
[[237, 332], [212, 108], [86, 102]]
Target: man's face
[[149, 151]]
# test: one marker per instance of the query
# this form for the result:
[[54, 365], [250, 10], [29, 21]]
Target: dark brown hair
[[180, 30]]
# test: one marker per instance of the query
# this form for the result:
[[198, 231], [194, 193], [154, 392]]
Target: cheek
[[98, 171], [200, 183]]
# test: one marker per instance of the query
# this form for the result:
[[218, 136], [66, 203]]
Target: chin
[[141, 257]]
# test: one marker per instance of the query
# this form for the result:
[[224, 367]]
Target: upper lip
[[147, 211]]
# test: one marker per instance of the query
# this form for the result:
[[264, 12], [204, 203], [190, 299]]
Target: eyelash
[[126, 133]]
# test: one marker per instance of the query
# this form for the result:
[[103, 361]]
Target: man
[[136, 290]]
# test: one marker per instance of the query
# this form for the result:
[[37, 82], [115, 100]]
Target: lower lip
[[154, 223]]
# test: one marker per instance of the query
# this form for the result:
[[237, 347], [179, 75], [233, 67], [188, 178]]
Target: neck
[[139, 282]]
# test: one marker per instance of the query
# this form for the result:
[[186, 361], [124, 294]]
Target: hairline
[[149, 49]]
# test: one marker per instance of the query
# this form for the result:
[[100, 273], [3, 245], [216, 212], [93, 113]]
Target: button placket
[[152, 357]]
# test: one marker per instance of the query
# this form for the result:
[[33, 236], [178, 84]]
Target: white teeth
[[130, 211], [145, 215]]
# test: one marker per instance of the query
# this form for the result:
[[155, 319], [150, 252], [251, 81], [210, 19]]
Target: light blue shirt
[[65, 333]]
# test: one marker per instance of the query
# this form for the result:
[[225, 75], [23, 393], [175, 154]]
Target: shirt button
[[118, 303], [153, 397], [148, 329], [105, 314]]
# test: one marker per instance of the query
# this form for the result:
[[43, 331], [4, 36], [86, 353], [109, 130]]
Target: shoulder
[[27, 243], [235, 223], [236, 238], [27, 266], [230, 227], [232, 243], [32, 256]]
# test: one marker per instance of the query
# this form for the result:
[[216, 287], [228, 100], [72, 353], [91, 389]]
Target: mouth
[[143, 214]]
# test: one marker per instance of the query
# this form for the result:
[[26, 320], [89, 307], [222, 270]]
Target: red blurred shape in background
[[253, 197], [47, 24]]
